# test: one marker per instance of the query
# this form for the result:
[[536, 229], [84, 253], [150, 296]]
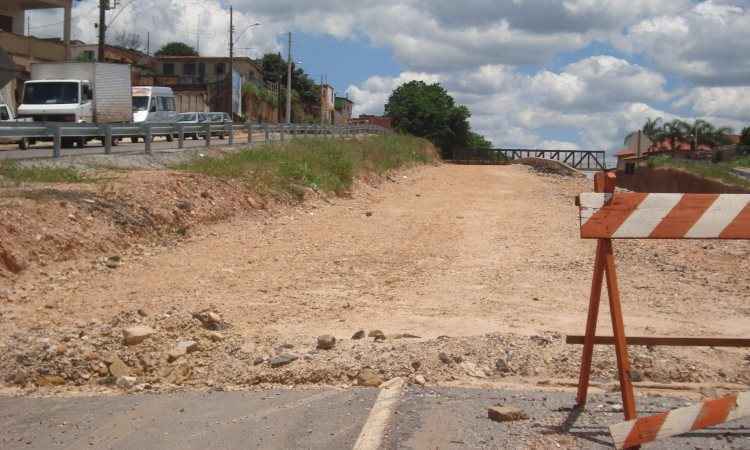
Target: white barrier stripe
[[742, 409], [591, 202], [718, 216], [679, 421], [647, 215]]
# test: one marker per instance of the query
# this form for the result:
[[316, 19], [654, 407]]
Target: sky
[[564, 74]]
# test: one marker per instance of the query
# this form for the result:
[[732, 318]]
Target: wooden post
[[588, 340], [618, 330]]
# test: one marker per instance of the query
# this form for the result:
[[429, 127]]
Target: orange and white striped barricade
[[681, 420], [606, 215]]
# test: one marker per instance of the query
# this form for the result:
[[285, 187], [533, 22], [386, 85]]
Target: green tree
[[745, 136], [426, 110], [478, 142], [176, 49]]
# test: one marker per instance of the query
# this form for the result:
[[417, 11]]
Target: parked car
[[192, 118], [6, 115], [219, 117]]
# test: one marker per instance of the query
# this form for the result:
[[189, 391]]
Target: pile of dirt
[[43, 224], [135, 351]]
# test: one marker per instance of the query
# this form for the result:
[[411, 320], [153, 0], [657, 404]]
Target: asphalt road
[[444, 418]]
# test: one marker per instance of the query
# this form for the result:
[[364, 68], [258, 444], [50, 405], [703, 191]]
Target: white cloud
[[707, 44]]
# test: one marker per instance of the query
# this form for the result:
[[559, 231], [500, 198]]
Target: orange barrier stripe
[[740, 226], [608, 219], [714, 412], [645, 429], [683, 216]]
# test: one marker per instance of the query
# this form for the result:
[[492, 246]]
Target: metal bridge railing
[[57, 131]]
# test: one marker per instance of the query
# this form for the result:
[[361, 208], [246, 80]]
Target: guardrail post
[[57, 141], [180, 135], [249, 132], [229, 127], [208, 134], [268, 133], [107, 139], [147, 137], [281, 135]]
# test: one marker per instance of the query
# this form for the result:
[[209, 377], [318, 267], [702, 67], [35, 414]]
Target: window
[[168, 68], [50, 93], [140, 103], [86, 94], [220, 69], [88, 55], [4, 113], [6, 23], [189, 69], [166, 104]]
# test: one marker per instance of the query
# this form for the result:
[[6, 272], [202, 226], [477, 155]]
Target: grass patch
[[327, 165], [721, 171], [12, 171]]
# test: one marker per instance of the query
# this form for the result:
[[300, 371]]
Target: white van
[[153, 104]]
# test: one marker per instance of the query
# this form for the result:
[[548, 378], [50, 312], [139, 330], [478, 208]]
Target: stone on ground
[[501, 413], [326, 342], [137, 334], [368, 377], [283, 360]]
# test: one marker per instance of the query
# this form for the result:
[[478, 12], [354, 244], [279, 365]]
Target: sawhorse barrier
[[606, 215]]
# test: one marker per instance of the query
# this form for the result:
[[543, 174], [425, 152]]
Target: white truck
[[79, 92]]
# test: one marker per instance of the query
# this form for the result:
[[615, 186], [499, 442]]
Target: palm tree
[[653, 129]]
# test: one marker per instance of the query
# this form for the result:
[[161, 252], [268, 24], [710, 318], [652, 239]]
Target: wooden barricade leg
[[588, 342], [618, 330]]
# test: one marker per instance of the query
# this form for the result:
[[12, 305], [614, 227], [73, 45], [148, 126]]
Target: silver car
[[192, 118], [216, 118]]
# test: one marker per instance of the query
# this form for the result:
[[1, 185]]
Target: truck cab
[[57, 101]]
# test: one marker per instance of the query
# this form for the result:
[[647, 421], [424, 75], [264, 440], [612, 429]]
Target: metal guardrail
[[57, 131]]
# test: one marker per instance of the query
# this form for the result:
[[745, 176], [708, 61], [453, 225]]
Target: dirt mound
[[54, 223], [202, 350]]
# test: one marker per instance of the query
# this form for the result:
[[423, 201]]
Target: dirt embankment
[[457, 274], [45, 225]]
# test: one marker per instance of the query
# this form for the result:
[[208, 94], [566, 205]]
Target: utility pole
[[103, 6], [148, 43], [289, 83], [322, 102], [231, 61]]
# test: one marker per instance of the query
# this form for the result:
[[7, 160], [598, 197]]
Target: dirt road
[[479, 262]]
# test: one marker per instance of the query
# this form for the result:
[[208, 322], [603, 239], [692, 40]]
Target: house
[[366, 119], [627, 159], [24, 49], [209, 76], [343, 113]]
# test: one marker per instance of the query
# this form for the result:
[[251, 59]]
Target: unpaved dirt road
[[467, 252]]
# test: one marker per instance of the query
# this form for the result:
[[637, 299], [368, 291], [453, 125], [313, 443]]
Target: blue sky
[[535, 73]]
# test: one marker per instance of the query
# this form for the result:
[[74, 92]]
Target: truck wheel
[[195, 137], [23, 144], [80, 142], [115, 142], [170, 138], [134, 139]]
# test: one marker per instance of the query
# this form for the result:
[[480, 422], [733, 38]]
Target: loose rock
[[117, 368], [369, 378], [50, 380], [420, 380], [377, 335], [501, 413], [283, 360], [358, 335], [137, 334], [326, 342], [443, 357]]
